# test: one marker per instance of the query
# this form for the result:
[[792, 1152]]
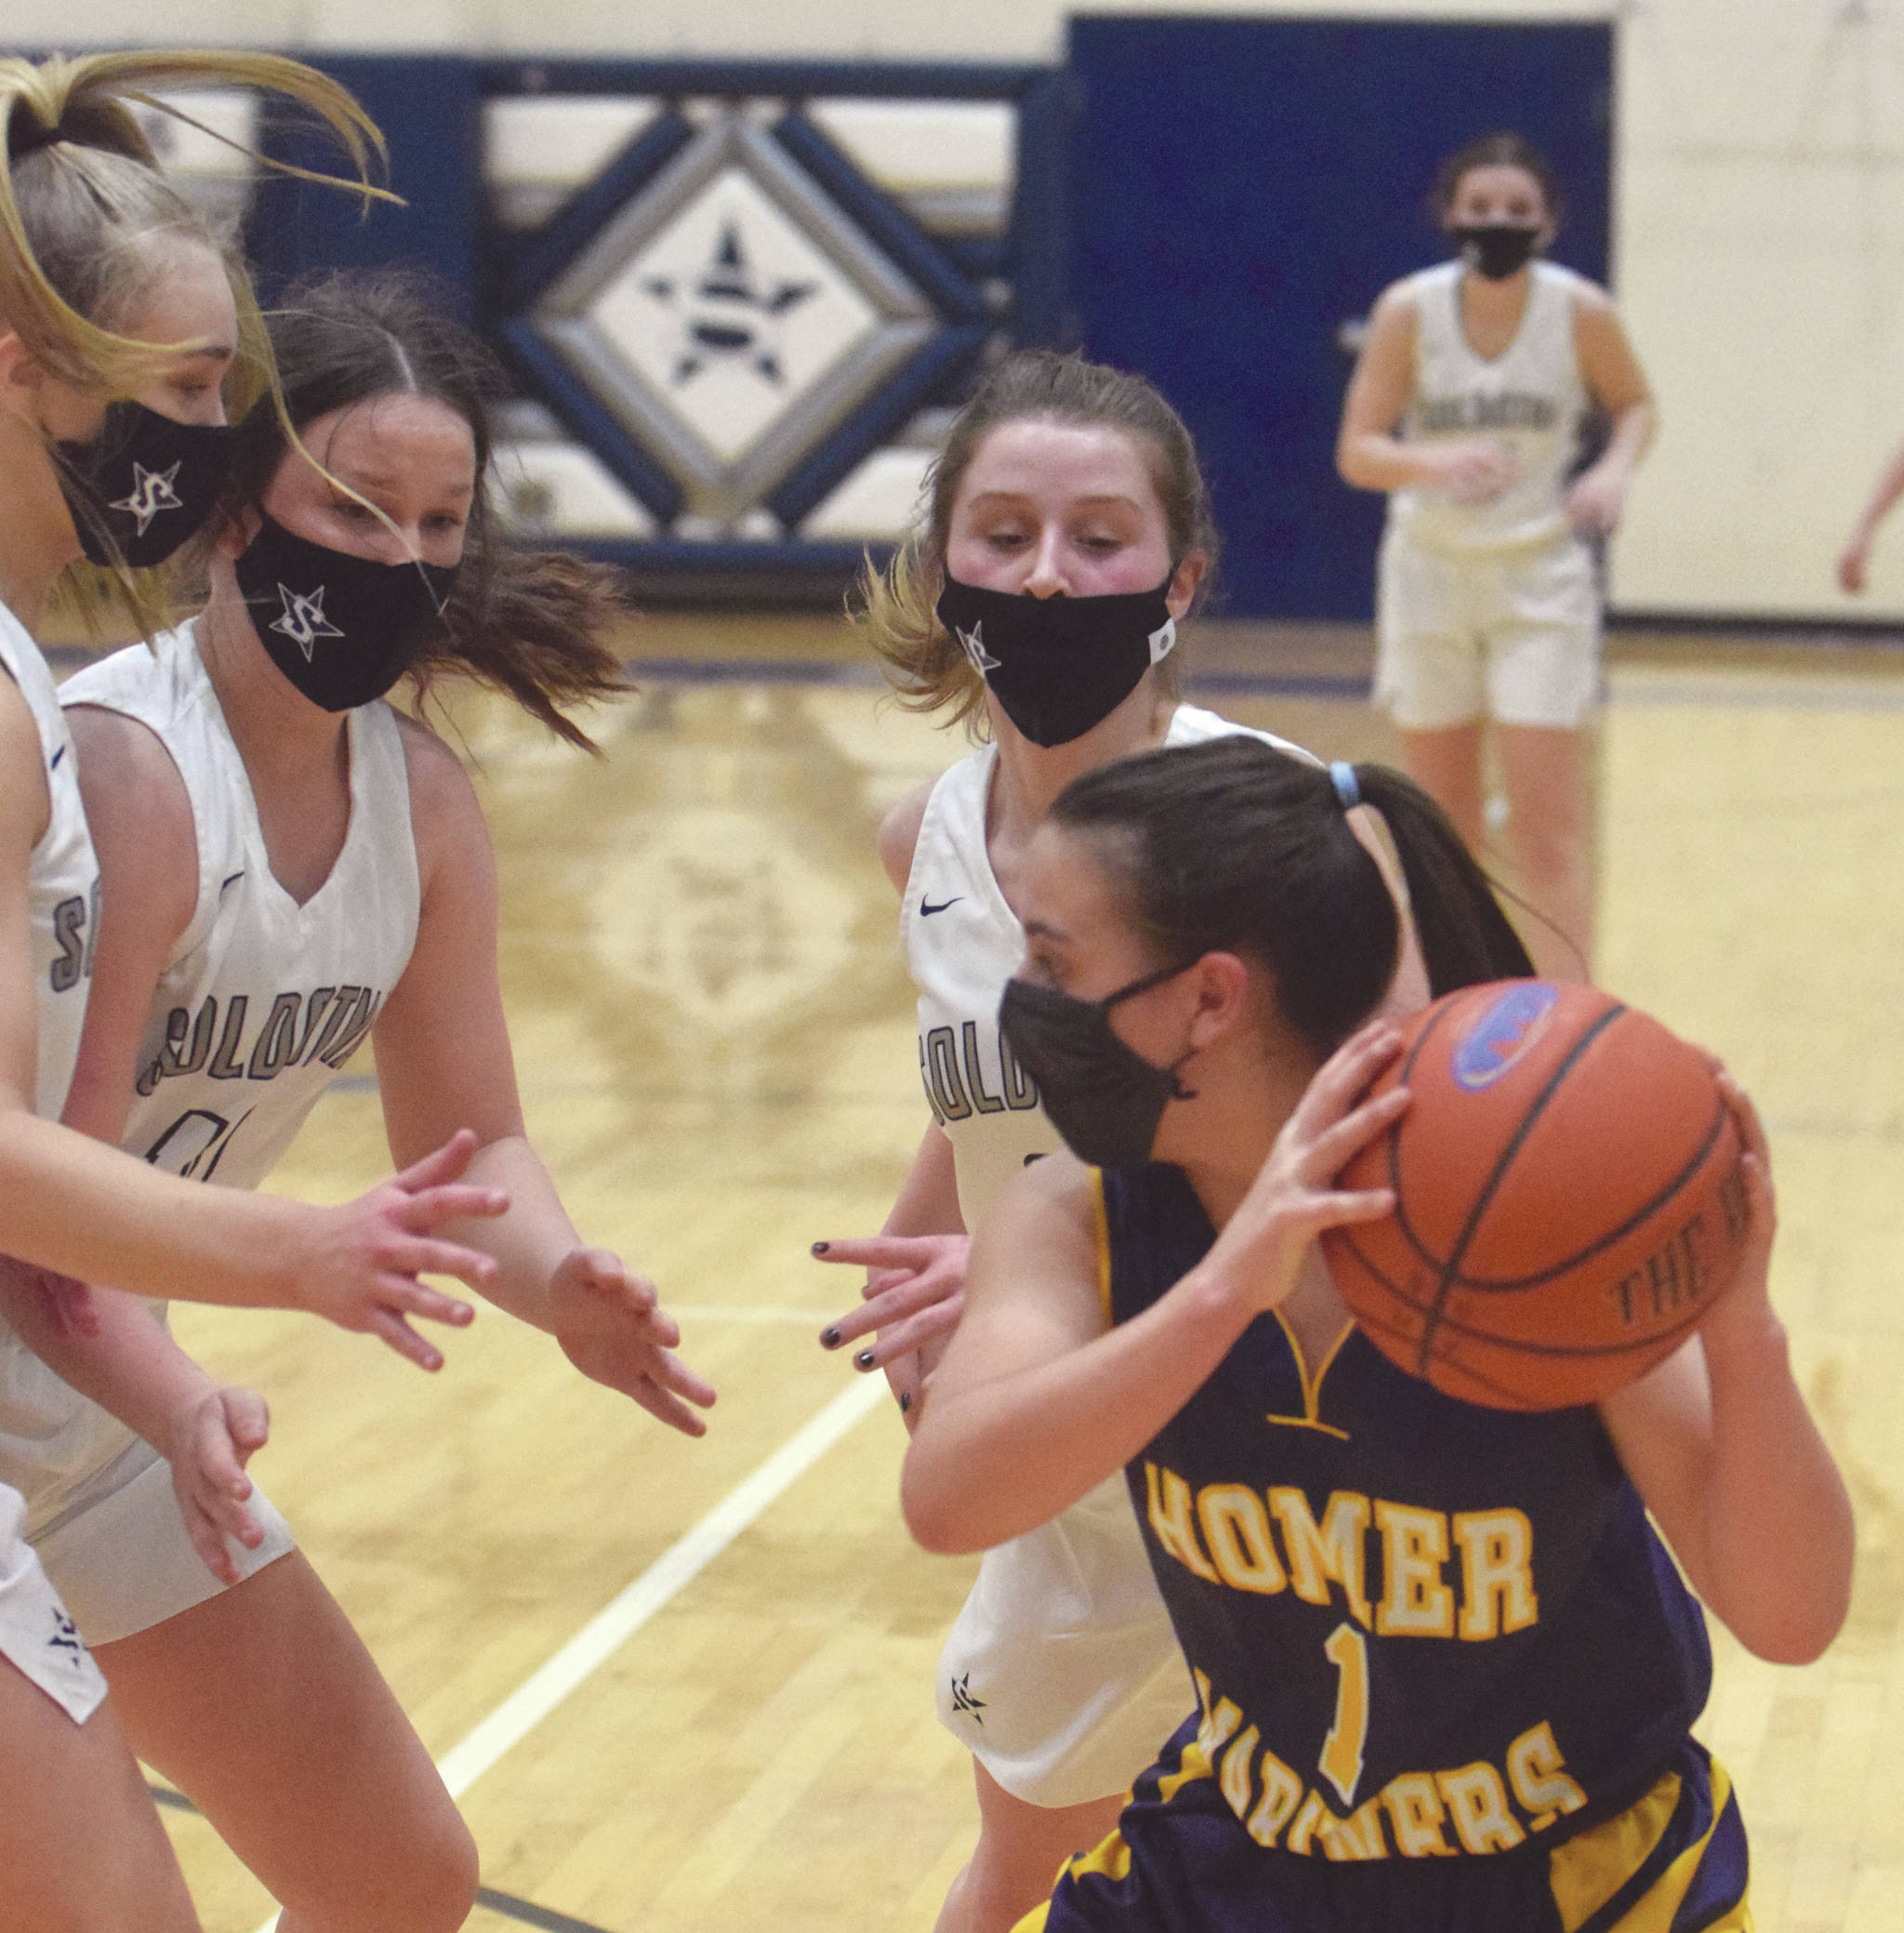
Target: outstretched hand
[[913, 1294], [212, 1439], [1293, 1198], [359, 1266], [611, 1325], [1745, 1300]]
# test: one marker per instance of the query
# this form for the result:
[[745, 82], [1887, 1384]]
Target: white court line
[[674, 1569]]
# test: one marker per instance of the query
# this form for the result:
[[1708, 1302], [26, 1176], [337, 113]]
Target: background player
[[1348, 1766], [1069, 533], [271, 837], [1467, 406], [85, 221]]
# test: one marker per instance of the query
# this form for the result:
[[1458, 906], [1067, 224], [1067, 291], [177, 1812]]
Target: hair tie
[[1343, 776]]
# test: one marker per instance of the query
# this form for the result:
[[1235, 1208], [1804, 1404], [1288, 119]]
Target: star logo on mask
[[1163, 640], [152, 492], [972, 644], [304, 622]]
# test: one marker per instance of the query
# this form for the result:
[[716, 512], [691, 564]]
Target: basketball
[[1569, 1203]]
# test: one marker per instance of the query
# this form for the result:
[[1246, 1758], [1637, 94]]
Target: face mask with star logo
[[342, 629], [145, 484], [1059, 665]]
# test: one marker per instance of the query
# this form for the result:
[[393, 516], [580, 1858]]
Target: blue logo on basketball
[[1503, 1034]]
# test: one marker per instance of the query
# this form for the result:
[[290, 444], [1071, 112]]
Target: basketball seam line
[[1451, 1268], [1491, 1285]]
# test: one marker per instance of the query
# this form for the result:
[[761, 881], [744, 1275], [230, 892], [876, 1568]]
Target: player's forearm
[[71, 1204], [131, 1368], [529, 1242], [990, 1461], [928, 1200], [1630, 437], [1369, 459], [1778, 1522]]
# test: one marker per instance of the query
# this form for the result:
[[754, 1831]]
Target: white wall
[[1760, 240]]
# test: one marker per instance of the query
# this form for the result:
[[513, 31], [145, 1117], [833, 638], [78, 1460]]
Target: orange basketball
[[1569, 1203]]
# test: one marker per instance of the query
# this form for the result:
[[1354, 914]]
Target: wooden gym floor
[[714, 1030]]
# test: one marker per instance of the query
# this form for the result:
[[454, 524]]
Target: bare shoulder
[[899, 833], [25, 803], [1590, 298], [1053, 1205], [441, 793], [139, 810]]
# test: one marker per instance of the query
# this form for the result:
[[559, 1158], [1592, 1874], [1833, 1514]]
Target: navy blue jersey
[[1417, 1627]]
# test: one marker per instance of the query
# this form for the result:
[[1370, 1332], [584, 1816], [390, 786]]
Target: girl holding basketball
[[1069, 534], [291, 863], [1446, 1671], [119, 322], [1467, 406]]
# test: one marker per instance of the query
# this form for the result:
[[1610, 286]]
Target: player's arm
[[1855, 560], [146, 843], [1039, 1399], [70, 1204], [444, 1061], [1371, 456], [915, 1266], [1720, 1443], [1618, 384]]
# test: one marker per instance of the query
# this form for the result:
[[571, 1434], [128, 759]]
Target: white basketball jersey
[[43, 1422], [1530, 397], [262, 999], [962, 943], [63, 889]]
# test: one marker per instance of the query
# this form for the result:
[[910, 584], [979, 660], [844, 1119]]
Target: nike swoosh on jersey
[[926, 908]]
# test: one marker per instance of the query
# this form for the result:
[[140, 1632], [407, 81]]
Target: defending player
[[290, 864], [1069, 531], [1467, 406], [1446, 1672], [118, 323]]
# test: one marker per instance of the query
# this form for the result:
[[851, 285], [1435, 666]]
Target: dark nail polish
[[864, 1360], [906, 1402], [829, 1339], [820, 1248]]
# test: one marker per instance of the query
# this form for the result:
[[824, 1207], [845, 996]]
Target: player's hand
[[66, 1305], [1596, 502], [1293, 1198], [1853, 561], [212, 1437], [913, 1294], [1743, 1306], [1474, 469], [611, 1327], [357, 1265]]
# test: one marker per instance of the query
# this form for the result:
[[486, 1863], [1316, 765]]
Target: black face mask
[[145, 484], [1102, 1095], [1059, 665], [1496, 249], [342, 629]]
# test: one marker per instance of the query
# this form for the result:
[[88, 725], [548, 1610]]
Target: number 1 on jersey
[[1340, 1763]]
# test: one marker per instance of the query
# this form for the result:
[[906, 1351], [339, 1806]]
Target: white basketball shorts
[[120, 1555], [1062, 1675], [36, 1635], [1510, 635]]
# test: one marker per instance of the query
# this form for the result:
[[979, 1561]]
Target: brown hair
[[896, 606], [536, 624], [1234, 845], [1501, 150], [84, 215]]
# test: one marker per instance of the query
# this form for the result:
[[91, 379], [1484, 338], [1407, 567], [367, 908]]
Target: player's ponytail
[[1234, 846], [538, 626]]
